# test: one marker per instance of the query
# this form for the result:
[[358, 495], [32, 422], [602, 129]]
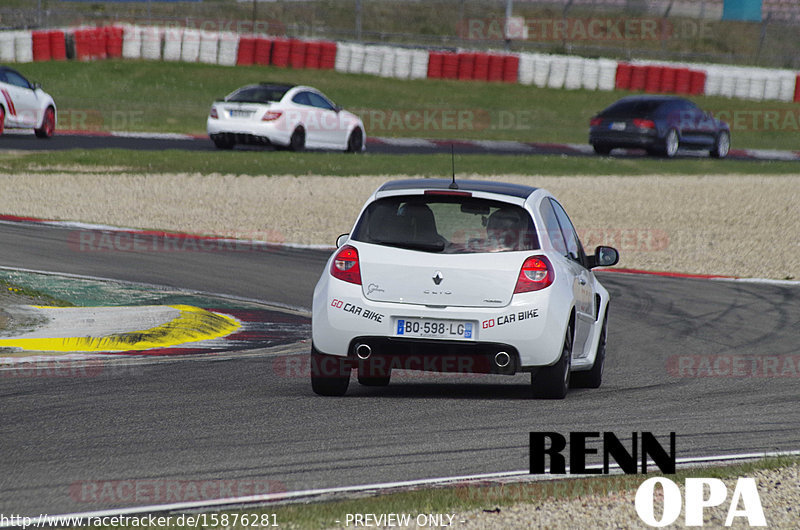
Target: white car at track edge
[[287, 116], [467, 276], [24, 105]]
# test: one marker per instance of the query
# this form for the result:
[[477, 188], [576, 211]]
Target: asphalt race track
[[254, 418], [391, 146]]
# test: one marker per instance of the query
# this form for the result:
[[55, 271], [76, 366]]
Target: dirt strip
[[743, 226]]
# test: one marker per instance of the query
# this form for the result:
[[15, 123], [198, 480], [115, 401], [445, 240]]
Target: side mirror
[[604, 257], [37, 86], [342, 239]]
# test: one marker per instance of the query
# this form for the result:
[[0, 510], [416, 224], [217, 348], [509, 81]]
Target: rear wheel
[[298, 140], [48, 124], [356, 141], [593, 378], [2, 119], [552, 382], [223, 142], [601, 149], [330, 375], [722, 144]]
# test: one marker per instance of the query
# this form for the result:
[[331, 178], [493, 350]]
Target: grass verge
[[339, 164], [460, 498], [175, 97], [27, 295]]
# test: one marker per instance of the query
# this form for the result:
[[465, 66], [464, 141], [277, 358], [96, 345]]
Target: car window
[[447, 224], [574, 248], [13, 78], [302, 98], [258, 94], [632, 108], [319, 101], [553, 228]]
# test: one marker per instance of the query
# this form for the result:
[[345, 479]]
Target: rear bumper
[[391, 353], [247, 133], [625, 139]]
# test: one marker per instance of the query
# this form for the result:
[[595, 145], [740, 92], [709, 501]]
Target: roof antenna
[[453, 185]]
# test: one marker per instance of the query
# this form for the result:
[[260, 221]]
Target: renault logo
[[437, 279]]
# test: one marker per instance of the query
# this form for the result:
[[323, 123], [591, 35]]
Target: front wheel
[[298, 140], [722, 144], [593, 378], [356, 141], [330, 375], [552, 382], [671, 144], [48, 124]]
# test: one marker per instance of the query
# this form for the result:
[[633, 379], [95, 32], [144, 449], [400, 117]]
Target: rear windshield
[[632, 108], [258, 94], [447, 224]]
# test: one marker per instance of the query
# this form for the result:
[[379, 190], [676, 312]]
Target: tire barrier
[[40, 43], [262, 51], [23, 47], [173, 42], [209, 47], [151, 43], [281, 52], [537, 69], [228, 48], [132, 42], [190, 46]]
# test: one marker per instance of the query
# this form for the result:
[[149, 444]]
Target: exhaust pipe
[[502, 359], [363, 351]]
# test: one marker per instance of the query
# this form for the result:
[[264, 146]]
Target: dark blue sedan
[[660, 125]]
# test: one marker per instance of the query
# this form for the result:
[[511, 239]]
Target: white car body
[[272, 114], [473, 289], [24, 105]]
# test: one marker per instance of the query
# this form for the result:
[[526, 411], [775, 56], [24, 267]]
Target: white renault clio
[[475, 277]]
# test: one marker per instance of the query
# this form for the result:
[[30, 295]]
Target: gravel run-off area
[[744, 226]]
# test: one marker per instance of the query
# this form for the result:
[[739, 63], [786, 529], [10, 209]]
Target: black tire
[[552, 382], [223, 142], [593, 378], [330, 374], [48, 127], [356, 141], [2, 120], [671, 144], [298, 140], [601, 149], [722, 145]]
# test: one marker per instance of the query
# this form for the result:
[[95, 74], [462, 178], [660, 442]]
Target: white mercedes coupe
[[285, 116], [467, 276]]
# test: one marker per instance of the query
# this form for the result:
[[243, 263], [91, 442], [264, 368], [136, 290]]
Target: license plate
[[241, 113], [423, 327], [618, 126]]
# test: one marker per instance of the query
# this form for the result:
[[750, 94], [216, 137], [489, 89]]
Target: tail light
[[272, 115], [213, 113], [536, 274], [345, 265], [594, 122], [644, 124]]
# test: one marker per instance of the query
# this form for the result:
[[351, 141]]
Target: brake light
[[594, 122], [450, 193], [345, 265], [644, 124], [272, 115], [213, 113], [536, 274]]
